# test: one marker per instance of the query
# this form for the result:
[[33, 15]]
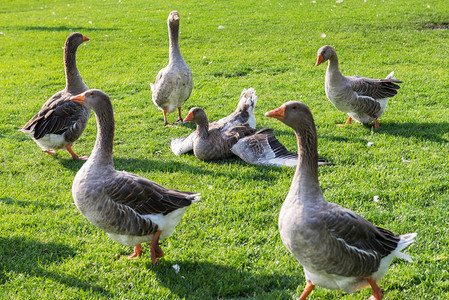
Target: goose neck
[[103, 149], [305, 182], [173, 34], [203, 129], [333, 71], [74, 82]]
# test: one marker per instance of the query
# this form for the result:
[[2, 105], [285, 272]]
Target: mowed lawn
[[228, 245]]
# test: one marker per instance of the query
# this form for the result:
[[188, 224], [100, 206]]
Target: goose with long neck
[[129, 208], [60, 122], [174, 83], [363, 99], [338, 248]]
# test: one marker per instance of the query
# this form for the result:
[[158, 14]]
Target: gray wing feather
[[355, 246]]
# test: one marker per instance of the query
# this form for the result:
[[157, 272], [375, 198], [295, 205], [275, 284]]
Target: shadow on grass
[[29, 257], [135, 165], [21, 203], [426, 131], [205, 280], [59, 28]]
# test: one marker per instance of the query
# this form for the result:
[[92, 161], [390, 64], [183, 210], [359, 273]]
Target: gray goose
[[174, 83], [254, 147], [211, 143], [60, 122], [129, 208], [363, 99], [338, 248], [244, 113]]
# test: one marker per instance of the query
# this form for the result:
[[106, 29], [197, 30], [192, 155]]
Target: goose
[[363, 99], [211, 143], [129, 208], [244, 113], [338, 248], [60, 122], [254, 147], [174, 83]]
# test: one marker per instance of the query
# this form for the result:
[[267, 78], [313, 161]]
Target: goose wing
[[55, 116], [145, 196], [353, 247], [374, 88]]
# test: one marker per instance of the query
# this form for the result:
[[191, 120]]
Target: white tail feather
[[390, 76], [405, 240]]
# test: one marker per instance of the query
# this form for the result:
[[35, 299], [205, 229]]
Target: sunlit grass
[[227, 246]]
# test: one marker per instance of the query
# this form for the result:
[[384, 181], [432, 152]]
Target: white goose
[[363, 99], [338, 248], [129, 208]]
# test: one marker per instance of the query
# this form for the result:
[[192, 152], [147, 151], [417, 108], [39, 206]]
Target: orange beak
[[278, 113], [85, 38], [78, 98], [319, 60], [189, 117], [176, 17]]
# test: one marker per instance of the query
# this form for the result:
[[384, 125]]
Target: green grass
[[227, 246]]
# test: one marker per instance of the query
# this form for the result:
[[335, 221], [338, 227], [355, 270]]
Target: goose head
[[75, 39], [295, 114], [197, 115], [173, 18], [324, 54], [93, 99]]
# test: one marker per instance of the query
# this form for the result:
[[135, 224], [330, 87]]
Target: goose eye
[[91, 93]]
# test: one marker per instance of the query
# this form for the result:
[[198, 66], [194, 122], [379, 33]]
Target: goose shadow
[[206, 280], [21, 203], [426, 131], [30, 257], [60, 28], [134, 165]]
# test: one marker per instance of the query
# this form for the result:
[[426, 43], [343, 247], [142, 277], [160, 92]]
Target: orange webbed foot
[[51, 152], [137, 252]]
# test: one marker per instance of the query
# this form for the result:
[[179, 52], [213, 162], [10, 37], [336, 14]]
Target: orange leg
[[74, 156], [347, 122], [51, 152], [307, 290], [155, 250], [179, 115], [164, 111], [377, 291], [376, 124], [137, 252]]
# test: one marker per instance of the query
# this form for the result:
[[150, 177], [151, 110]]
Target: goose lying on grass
[[129, 208], [338, 248], [244, 113], [255, 147]]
